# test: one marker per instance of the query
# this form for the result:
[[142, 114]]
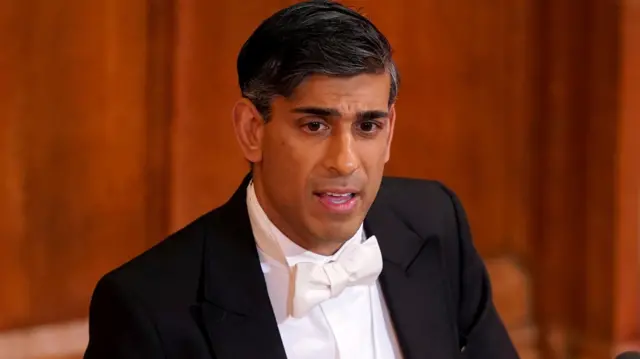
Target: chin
[[335, 228], [341, 232]]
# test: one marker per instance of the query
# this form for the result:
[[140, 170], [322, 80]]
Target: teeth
[[339, 199], [338, 194]]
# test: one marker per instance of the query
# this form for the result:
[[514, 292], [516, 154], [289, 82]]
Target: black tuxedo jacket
[[201, 292]]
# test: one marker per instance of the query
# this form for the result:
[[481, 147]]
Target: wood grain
[[207, 164], [558, 172], [116, 130], [586, 273], [78, 145], [14, 279], [626, 316]]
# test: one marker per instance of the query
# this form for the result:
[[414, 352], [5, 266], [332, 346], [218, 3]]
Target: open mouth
[[336, 198], [342, 202]]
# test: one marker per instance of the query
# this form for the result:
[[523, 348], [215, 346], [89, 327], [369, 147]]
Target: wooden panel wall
[[587, 271], [207, 164], [81, 135], [626, 317], [116, 130]]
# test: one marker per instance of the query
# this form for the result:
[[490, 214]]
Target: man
[[316, 255]]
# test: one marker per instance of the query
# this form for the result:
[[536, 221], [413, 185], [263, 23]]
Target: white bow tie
[[358, 264]]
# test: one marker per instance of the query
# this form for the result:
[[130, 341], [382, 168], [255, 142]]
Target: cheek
[[373, 155], [290, 161], [277, 155]]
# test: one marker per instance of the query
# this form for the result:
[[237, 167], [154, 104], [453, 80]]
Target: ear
[[392, 124], [248, 126]]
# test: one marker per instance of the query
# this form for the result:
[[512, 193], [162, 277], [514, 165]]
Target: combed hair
[[311, 38]]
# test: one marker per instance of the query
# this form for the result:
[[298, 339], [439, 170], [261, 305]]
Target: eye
[[368, 126], [314, 126]]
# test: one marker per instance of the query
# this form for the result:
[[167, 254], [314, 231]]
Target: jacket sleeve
[[481, 331], [119, 327]]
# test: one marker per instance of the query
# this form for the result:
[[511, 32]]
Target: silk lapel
[[414, 284], [236, 311]]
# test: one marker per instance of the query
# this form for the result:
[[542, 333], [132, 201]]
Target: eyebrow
[[331, 112]]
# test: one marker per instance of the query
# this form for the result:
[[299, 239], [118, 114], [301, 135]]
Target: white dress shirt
[[353, 325]]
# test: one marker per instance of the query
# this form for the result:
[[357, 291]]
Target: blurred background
[[115, 131]]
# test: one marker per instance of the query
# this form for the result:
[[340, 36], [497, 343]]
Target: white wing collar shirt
[[327, 307]]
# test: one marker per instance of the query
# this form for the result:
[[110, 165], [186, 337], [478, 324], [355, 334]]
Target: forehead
[[365, 91]]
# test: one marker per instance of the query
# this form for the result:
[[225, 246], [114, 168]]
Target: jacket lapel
[[236, 311], [414, 285]]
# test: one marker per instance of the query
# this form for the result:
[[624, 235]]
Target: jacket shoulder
[[405, 186], [170, 269], [418, 200]]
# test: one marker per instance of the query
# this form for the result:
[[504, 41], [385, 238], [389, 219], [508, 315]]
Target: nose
[[341, 158]]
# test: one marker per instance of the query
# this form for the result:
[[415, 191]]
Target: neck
[[323, 249]]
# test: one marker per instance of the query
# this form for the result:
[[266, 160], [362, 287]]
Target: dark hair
[[312, 37]]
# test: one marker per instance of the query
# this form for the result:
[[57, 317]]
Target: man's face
[[319, 160]]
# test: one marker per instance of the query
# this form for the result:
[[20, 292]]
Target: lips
[[337, 198], [342, 201]]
